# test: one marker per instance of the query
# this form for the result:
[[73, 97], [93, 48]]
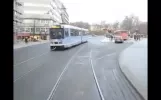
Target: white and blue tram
[[65, 36]]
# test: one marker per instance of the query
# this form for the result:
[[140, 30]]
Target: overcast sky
[[93, 11]]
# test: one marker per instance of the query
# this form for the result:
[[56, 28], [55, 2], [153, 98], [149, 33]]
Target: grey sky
[[93, 11]]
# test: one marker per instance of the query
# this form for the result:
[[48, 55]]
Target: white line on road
[[59, 79], [26, 73], [83, 56], [79, 63], [106, 55], [95, 77], [30, 59]]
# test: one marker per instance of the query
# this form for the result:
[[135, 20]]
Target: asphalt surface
[[37, 72]]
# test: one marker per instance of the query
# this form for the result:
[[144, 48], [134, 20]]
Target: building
[[40, 15], [96, 27], [64, 15], [17, 20]]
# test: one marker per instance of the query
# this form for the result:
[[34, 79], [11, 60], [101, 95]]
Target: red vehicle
[[123, 33]]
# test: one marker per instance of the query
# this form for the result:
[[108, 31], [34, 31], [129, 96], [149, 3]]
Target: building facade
[[40, 15], [64, 15], [17, 20]]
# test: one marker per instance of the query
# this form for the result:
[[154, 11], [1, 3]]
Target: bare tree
[[127, 23], [115, 25], [107, 25], [132, 23]]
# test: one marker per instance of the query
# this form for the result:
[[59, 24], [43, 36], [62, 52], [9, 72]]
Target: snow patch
[[105, 40]]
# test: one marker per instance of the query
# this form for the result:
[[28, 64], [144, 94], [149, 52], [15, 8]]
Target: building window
[[32, 29], [47, 29], [47, 21], [42, 21], [27, 30], [37, 21], [42, 29], [37, 29], [22, 29]]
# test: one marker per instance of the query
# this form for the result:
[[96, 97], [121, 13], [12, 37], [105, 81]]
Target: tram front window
[[56, 33]]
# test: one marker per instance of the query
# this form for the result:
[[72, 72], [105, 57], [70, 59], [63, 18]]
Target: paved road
[[37, 70]]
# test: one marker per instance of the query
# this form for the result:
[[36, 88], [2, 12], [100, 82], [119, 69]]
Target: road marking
[[106, 55], [26, 73], [60, 77], [83, 56], [95, 78], [79, 63], [30, 59]]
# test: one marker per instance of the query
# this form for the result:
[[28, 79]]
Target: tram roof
[[70, 26], [74, 27]]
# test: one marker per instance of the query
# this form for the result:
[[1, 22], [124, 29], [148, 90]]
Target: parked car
[[119, 39]]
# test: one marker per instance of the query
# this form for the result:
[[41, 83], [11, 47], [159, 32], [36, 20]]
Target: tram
[[65, 36]]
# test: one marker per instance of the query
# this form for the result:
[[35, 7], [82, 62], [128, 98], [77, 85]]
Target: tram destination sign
[[56, 26]]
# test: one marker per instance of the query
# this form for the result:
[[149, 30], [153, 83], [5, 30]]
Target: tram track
[[95, 77], [52, 93], [61, 75], [54, 89]]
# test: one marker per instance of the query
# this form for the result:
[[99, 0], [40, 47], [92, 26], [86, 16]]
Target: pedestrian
[[111, 37], [139, 36], [135, 37], [26, 40]]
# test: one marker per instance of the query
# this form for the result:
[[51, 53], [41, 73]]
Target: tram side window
[[76, 33], [66, 33], [83, 32], [72, 32]]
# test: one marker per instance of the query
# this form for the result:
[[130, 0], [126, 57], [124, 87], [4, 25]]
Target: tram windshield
[[56, 33]]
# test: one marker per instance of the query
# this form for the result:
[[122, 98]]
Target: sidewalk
[[23, 44], [133, 63]]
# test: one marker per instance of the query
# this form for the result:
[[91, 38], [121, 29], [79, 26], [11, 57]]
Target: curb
[[30, 45], [131, 79]]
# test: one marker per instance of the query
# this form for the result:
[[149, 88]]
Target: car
[[119, 39]]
